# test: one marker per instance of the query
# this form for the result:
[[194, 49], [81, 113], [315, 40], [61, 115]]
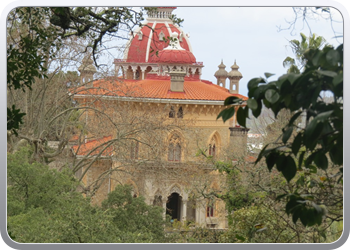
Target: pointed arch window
[[180, 113], [174, 149], [172, 112], [213, 146]]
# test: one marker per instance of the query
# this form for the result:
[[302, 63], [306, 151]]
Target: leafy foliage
[[318, 141], [44, 206], [299, 48], [35, 34]]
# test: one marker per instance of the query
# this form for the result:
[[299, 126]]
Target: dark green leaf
[[338, 79], [294, 117], [290, 169], [252, 104], [241, 116], [296, 144], [286, 134], [281, 196], [327, 73], [296, 213], [333, 57], [301, 159], [271, 95], [231, 100], [267, 75], [270, 160], [253, 83], [262, 153], [304, 217], [226, 113], [321, 160]]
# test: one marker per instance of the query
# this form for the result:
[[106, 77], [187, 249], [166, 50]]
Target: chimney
[[177, 80]]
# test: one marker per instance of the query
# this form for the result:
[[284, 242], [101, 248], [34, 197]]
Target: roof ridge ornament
[[174, 43]]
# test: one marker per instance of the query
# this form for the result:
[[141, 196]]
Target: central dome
[[174, 53], [174, 56], [151, 37]]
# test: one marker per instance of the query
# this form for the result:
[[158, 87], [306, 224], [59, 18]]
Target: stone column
[[134, 69], [201, 213], [124, 69], [164, 208], [184, 210], [143, 69]]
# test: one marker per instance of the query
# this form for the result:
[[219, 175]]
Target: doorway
[[173, 206]]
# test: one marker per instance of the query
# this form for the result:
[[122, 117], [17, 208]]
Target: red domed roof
[[174, 53], [174, 56], [146, 42]]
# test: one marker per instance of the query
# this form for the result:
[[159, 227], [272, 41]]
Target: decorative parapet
[[238, 131], [198, 63]]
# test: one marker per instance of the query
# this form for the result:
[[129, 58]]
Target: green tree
[[312, 146], [299, 48], [44, 206], [35, 34], [138, 221]]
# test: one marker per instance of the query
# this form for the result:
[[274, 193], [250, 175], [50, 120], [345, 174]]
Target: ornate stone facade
[[165, 167]]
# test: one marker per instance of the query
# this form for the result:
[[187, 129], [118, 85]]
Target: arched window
[[210, 209], [161, 36], [213, 145], [174, 149], [180, 113], [212, 149], [140, 35], [172, 112]]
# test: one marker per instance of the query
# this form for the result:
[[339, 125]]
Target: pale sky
[[248, 35]]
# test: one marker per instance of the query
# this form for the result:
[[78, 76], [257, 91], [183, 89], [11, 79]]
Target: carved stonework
[[238, 131], [175, 189]]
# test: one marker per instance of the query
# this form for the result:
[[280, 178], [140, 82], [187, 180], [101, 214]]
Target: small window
[[210, 210], [174, 149], [172, 112], [180, 113], [140, 35], [174, 153], [161, 36], [212, 150]]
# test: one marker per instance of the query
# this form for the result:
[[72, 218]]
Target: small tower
[[221, 75], [87, 71], [234, 75]]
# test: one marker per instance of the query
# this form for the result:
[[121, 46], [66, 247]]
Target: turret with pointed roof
[[221, 74], [234, 75]]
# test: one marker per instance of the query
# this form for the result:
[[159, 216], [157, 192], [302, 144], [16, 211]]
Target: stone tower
[[87, 71], [234, 75], [221, 75]]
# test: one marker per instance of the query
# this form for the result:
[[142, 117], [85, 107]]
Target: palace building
[[161, 122]]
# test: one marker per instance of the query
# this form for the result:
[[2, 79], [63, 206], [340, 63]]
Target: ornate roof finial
[[221, 72], [234, 71], [174, 43]]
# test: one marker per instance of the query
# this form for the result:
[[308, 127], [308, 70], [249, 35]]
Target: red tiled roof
[[174, 56], [97, 144], [157, 88]]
